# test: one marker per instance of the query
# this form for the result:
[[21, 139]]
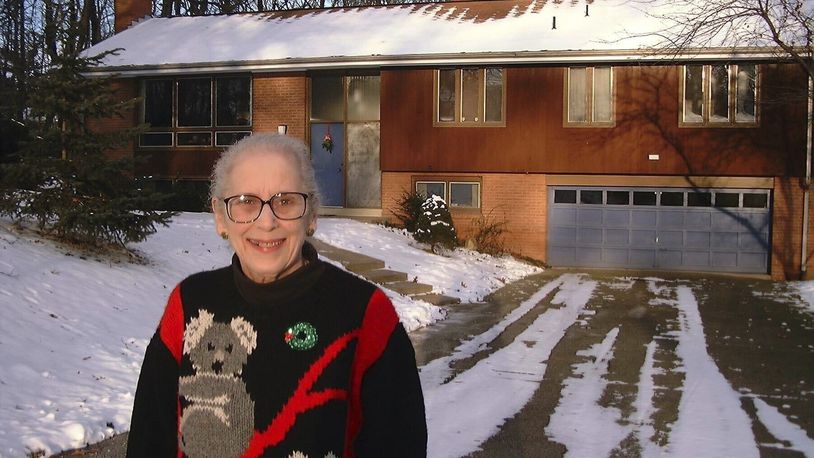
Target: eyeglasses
[[246, 208]]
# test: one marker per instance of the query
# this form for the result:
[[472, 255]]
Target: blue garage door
[[660, 228]]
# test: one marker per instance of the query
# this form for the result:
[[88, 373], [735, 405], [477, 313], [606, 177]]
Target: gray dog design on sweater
[[219, 417]]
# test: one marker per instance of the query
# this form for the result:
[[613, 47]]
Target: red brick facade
[[518, 199], [277, 100]]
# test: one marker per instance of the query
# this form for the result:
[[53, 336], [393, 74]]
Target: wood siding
[[646, 122]]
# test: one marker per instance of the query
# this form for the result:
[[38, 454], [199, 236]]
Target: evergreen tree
[[434, 224], [61, 177]]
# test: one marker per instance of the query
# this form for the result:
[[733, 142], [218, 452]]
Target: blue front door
[[329, 166]]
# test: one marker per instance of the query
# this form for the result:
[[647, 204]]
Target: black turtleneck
[[315, 362]]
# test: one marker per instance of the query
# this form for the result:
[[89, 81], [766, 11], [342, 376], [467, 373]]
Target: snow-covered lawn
[[73, 329]]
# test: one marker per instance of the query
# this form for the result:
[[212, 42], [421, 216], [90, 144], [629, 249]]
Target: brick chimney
[[128, 11]]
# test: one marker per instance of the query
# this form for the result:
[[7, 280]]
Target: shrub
[[434, 225], [488, 234], [409, 210]]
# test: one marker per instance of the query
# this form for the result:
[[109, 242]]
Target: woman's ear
[[220, 222]]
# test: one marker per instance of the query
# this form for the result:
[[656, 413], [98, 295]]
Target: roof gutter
[[435, 60]]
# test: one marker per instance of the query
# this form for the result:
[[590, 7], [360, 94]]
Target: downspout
[[807, 184]]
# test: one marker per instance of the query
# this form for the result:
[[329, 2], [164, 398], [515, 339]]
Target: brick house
[[597, 152]]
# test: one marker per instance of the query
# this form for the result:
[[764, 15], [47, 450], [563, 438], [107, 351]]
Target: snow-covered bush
[[434, 224]]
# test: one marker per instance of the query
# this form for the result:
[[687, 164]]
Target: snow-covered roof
[[479, 32]]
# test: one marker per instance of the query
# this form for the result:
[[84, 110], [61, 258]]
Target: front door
[[329, 162], [346, 108]]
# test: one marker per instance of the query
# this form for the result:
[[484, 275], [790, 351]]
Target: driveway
[[650, 365], [618, 364]]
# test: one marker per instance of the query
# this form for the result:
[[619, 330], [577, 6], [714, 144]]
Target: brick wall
[[517, 199], [787, 220], [280, 99], [126, 89]]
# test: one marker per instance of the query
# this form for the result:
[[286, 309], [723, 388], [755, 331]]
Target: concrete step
[[382, 276], [355, 262], [409, 288], [437, 299], [360, 264]]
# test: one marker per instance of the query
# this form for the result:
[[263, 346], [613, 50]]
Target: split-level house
[[596, 149]]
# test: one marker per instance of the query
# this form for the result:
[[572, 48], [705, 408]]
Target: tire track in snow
[[711, 420], [438, 371], [497, 387], [579, 422]]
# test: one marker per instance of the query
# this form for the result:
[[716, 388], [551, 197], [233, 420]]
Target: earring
[[309, 232], [224, 235]]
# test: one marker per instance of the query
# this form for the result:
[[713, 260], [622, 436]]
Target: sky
[[73, 330]]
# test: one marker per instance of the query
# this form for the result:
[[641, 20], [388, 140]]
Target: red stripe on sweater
[[377, 326], [171, 328], [302, 400]]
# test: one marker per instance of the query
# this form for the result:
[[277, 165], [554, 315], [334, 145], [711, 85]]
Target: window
[[589, 97], [469, 97], [432, 188], [719, 95], [458, 194], [464, 194], [196, 111]]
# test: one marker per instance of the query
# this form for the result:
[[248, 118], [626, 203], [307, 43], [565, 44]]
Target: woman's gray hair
[[266, 143]]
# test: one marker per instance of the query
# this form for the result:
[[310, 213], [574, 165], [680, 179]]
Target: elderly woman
[[279, 354]]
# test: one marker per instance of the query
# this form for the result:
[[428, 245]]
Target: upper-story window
[[719, 95], [470, 97], [589, 97], [196, 111]]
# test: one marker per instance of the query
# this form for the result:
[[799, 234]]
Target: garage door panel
[[664, 232], [668, 259], [697, 220], [589, 217], [697, 258], [589, 256], [751, 242], [589, 236], [696, 239], [563, 256], [618, 237], [615, 257], [643, 218], [724, 259], [642, 258], [562, 235], [563, 216], [722, 240], [750, 262], [671, 238], [617, 218], [756, 221], [727, 222], [641, 238], [671, 218]]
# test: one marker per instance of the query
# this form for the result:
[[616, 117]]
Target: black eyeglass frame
[[263, 203]]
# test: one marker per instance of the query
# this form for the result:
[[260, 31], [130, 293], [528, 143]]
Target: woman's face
[[268, 248]]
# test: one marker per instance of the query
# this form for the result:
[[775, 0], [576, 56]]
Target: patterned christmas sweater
[[313, 365]]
